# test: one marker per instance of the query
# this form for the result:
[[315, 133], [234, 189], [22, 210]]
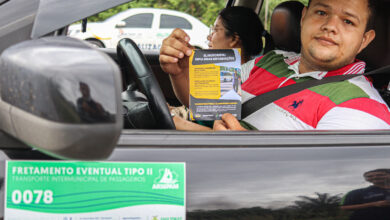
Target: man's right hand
[[383, 203], [174, 53]]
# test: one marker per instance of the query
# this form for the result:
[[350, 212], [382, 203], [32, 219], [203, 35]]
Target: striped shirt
[[349, 104]]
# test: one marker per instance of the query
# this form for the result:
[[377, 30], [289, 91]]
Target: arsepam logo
[[166, 180]]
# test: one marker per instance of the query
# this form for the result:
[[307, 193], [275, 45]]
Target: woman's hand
[[174, 53], [174, 60]]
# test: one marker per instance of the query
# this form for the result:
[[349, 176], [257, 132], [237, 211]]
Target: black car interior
[[376, 55], [155, 111]]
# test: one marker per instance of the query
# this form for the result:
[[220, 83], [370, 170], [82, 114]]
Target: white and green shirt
[[349, 104]]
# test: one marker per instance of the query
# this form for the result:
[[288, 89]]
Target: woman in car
[[229, 32]]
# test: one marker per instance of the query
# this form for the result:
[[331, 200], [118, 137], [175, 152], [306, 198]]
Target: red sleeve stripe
[[369, 106]]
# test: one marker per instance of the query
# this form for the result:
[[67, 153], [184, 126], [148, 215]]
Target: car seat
[[377, 53], [285, 26]]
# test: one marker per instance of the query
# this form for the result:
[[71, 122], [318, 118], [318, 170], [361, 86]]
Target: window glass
[[170, 21], [139, 21]]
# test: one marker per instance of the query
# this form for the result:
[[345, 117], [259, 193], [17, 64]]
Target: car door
[[266, 175]]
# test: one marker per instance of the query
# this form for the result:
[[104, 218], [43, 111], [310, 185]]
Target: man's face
[[378, 178], [333, 32], [84, 89]]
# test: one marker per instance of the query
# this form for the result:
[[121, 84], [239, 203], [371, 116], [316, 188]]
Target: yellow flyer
[[215, 83]]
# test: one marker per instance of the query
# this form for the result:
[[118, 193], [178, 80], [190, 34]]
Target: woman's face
[[217, 38]]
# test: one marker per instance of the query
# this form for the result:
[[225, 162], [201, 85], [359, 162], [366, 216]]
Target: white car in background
[[146, 26]]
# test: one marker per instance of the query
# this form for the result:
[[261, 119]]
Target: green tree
[[322, 205], [204, 10]]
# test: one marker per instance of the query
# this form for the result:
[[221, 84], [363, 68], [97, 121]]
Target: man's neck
[[305, 67]]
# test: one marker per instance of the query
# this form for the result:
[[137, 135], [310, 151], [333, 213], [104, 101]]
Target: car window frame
[[139, 14], [264, 139], [162, 15]]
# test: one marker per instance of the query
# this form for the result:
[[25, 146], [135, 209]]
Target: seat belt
[[264, 99]]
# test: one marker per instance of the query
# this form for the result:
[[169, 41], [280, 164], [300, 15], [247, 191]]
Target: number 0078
[[32, 196]]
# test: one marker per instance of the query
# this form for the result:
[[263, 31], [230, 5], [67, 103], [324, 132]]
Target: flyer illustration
[[215, 83]]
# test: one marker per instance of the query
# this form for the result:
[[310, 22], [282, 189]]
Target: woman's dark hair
[[246, 24]]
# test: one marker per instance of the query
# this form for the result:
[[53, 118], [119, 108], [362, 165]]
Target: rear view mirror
[[62, 97]]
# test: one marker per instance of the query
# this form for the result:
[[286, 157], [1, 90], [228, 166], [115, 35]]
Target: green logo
[[166, 180]]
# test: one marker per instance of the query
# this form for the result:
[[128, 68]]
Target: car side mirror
[[120, 24], [61, 97]]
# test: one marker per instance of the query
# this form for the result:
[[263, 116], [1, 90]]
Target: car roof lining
[[66, 13]]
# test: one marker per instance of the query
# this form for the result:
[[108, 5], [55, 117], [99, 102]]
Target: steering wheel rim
[[141, 71]]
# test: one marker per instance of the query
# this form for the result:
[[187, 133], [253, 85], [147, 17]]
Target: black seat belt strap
[[262, 100]]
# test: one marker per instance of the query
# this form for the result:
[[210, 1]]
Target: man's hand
[[174, 53], [383, 203], [228, 122]]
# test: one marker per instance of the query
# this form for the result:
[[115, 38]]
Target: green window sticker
[[98, 190]]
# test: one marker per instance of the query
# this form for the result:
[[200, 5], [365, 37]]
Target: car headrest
[[377, 54], [285, 26]]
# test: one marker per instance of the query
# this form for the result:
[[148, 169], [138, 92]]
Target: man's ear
[[304, 10], [236, 41], [367, 38]]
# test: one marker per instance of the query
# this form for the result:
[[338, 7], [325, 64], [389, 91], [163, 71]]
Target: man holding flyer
[[333, 33]]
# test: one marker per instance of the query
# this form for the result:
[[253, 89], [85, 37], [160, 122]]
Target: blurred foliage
[[204, 10], [322, 206]]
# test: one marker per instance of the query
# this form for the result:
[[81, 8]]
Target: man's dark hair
[[383, 170], [246, 24], [372, 8]]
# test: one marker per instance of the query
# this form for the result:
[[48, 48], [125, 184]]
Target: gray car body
[[227, 170]]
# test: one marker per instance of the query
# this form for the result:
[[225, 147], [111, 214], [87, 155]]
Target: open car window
[[61, 98], [151, 50]]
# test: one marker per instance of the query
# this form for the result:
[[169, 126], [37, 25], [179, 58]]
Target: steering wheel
[[140, 71]]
